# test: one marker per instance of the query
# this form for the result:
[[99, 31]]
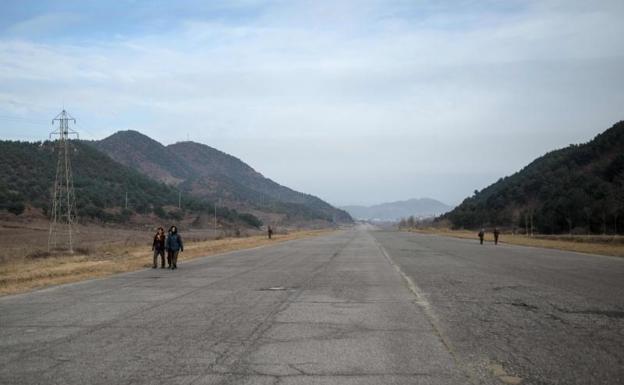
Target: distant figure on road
[[496, 234], [174, 246], [158, 247], [481, 235], [270, 232]]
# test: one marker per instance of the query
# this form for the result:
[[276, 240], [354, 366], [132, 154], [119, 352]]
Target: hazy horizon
[[357, 102]]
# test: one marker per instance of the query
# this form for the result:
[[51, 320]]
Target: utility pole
[[179, 199], [126, 200], [63, 215]]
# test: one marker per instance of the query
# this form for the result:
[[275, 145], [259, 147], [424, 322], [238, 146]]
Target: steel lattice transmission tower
[[63, 215]]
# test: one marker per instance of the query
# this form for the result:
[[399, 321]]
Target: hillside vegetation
[[207, 173], [578, 189], [101, 185]]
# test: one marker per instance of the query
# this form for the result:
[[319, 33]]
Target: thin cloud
[[409, 91]]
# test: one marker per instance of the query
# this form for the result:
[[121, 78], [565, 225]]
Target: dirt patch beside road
[[28, 267], [602, 245]]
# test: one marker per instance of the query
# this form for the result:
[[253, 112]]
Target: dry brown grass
[[580, 244], [24, 274]]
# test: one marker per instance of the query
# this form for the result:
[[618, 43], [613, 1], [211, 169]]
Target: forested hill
[[207, 173], [101, 184], [578, 189]]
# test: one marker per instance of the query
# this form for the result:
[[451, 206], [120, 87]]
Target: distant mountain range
[[394, 211], [155, 179], [577, 189], [207, 173]]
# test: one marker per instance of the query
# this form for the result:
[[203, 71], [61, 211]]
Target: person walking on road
[[496, 234], [174, 245], [158, 247], [481, 235], [270, 232], [167, 249]]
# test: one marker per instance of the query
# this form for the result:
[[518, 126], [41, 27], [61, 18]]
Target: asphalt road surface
[[544, 316], [354, 307]]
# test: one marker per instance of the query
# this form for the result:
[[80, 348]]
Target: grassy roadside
[[27, 274], [578, 244]]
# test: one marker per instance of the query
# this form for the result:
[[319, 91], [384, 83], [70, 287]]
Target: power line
[[82, 129]]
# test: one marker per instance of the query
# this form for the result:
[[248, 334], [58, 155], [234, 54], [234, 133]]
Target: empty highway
[[357, 306]]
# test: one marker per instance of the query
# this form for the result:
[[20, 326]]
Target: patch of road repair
[[499, 372], [274, 288]]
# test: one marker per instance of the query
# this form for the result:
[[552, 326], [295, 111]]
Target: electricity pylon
[[63, 215]]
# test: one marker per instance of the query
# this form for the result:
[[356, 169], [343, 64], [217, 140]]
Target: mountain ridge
[[394, 211], [103, 188], [579, 188], [206, 172]]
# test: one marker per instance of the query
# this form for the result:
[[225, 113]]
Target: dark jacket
[[174, 242], [159, 242]]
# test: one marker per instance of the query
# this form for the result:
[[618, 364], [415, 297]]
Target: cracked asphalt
[[520, 313], [353, 307]]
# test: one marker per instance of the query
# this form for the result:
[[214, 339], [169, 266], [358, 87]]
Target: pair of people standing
[[482, 235], [172, 244]]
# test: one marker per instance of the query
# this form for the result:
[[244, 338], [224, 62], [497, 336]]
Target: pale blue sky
[[354, 101]]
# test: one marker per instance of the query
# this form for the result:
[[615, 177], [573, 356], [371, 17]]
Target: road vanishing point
[[359, 306]]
